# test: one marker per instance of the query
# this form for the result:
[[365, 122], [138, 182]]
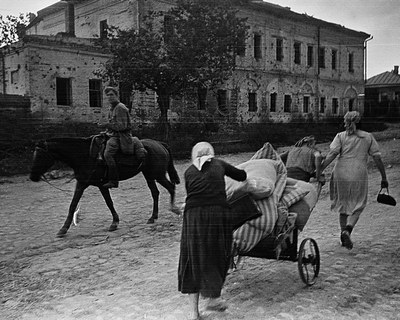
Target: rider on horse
[[118, 131]]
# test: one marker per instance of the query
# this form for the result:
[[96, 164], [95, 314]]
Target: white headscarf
[[201, 153]]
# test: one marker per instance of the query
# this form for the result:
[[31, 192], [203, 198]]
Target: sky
[[379, 18]]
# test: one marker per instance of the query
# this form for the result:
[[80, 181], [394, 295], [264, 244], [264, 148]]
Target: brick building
[[293, 66]]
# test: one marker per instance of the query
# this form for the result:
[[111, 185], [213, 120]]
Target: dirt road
[[132, 272]]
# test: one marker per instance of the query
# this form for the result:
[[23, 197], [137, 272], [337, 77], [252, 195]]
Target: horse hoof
[[113, 227], [62, 232], [150, 221]]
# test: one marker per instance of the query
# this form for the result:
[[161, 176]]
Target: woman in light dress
[[349, 181]]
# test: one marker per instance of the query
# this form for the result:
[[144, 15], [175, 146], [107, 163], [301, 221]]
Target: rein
[[45, 150], [43, 178]]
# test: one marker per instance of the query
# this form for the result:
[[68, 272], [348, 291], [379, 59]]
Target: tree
[[12, 28], [192, 45]]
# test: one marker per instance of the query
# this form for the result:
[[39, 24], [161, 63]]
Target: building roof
[[286, 13], [47, 11], [385, 79], [274, 9], [53, 8]]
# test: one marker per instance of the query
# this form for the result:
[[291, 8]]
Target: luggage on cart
[[273, 232]]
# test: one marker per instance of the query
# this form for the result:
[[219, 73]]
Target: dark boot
[[345, 237], [112, 177], [140, 151]]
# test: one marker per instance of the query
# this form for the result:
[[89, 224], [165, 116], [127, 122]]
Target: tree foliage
[[192, 45], [12, 28]]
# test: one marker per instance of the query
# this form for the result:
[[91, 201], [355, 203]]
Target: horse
[[89, 170]]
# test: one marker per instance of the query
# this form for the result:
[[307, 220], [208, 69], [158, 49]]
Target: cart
[[282, 246]]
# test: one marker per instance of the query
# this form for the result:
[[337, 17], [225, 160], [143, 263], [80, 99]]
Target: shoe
[[216, 305], [111, 184], [346, 241]]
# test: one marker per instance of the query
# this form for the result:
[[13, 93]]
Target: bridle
[[44, 153]]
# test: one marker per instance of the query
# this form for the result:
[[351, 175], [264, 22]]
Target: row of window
[[64, 92], [287, 103], [297, 58], [64, 97], [279, 50]]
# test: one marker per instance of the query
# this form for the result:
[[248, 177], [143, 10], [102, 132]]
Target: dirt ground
[[132, 273]]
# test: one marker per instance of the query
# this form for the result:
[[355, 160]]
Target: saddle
[[98, 146]]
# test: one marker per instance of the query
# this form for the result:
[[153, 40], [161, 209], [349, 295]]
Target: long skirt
[[206, 245], [349, 187]]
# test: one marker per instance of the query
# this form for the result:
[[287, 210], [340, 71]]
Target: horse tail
[[173, 174]]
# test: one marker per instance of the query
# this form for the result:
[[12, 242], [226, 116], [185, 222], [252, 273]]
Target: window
[[306, 104], [334, 59], [63, 91], [321, 58], [310, 54], [201, 98], [287, 106], [335, 105], [257, 46], [351, 104], [222, 100], [252, 101], [297, 52], [273, 97], [279, 49], [95, 93], [241, 48], [351, 62], [322, 105], [103, 29], [14, 76]]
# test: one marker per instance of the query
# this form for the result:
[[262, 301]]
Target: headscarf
[[306, 140], [201, 153], [350, 119]]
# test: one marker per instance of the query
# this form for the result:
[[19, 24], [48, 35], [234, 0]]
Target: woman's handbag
[[385, 198]]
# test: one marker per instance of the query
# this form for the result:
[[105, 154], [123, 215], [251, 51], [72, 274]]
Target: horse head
[[42, 161]]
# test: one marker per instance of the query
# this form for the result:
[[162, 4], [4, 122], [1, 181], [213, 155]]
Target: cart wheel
[[308, 261]]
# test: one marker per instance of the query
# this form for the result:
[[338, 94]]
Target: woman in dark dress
[[206, 240]]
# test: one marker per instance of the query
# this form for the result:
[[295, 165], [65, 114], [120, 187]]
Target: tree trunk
[[164, 103]]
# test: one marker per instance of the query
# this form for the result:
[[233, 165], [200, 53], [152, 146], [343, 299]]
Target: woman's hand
[[384, 183]]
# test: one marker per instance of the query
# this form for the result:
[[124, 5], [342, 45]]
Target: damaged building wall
[[58, 76], [277, 79], [90, 17]]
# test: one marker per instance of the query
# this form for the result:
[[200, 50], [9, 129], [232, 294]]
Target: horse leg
[[155, 195], [107, 197], [171, 189], [79, 189]]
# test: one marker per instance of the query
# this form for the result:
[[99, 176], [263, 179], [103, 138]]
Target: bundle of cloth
[[283, 201]]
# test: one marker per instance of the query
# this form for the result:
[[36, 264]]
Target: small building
[[382, 94], [57, 73], [293, 66]]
